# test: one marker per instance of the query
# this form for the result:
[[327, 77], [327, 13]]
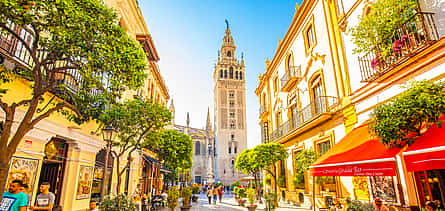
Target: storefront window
[[431, 185]]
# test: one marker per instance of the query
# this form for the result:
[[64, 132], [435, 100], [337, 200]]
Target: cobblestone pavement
[[228, 204]]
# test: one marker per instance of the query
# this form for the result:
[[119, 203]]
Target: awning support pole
[[313, 192], [399, 185]]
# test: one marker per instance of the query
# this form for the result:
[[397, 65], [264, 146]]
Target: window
[[275, 85], [229, 53], [290, 62], [232, 114], [233, 162], [231, 72], [241, 75], [310, 37], [197, 148], [232, 124], [278, 119], [232, 137], [225, 73], [230, 149], [221, 74], [198, 179], [235, 150], [236, 74], [317, 93], [231, 94], [323, 147], [232, 103]]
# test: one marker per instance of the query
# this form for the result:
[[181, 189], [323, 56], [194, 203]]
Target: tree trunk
[[118, 187], [4, 167], [256, 187]]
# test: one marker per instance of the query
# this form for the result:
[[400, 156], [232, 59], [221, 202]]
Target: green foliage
[[384, 18], [236, 190], [235, 184], [186, 193], [246, 162], [172, 197], [90, 39], [268, 179], [281, 181], [251, 195], [195, 189], [271, 199], [400, 121], [174, 149], [357, 205], [303, 159], [117, 203], [217, 184], [324, 179], [268, 154], [241, 193], [298, 181]]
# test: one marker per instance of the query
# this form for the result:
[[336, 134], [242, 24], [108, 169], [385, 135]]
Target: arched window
[[220, 73], [230, 149], [317, 93], [229, 53], [236, 74], [241, 75], [290, 62], [231, 72], [197, 148], [225, 73]]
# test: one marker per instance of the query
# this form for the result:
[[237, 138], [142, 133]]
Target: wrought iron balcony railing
[[407, 40], [13, 48], [290, 78], [320, 105]]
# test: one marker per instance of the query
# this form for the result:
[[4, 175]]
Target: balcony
[[290, 78], [66, 79], [409, 39], [320, 106]]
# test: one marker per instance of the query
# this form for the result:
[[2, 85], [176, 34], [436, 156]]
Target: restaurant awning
[[357, 154], [428, 151]]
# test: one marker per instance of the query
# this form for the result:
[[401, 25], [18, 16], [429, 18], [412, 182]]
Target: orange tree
[[75, 39]]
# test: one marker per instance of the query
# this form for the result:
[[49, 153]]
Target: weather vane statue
[[227, 23]]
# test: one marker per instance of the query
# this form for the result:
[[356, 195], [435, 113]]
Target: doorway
[[53, 166]]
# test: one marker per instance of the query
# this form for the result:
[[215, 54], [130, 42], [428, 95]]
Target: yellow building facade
[[315, 90], [70, 156], [303, 96]]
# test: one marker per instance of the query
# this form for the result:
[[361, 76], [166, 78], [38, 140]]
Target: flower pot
[[251, 207], [186, 207], [241, 202]]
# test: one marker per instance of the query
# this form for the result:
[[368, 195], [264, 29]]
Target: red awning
[[428, 151], [357, 154]]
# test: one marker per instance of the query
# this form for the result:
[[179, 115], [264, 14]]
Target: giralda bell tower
[[230, 110]]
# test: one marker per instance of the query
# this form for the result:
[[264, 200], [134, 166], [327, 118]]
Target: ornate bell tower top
[[228, 47]]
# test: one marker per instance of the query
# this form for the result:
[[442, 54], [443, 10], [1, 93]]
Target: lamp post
[[107, 135]]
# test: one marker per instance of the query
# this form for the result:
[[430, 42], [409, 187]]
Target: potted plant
[[195, 190], [235, 192], [241, 194], [172, 198], [251, 197], [186, 193], [117, 203]]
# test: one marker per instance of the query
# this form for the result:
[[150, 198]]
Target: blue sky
[[187, 35]]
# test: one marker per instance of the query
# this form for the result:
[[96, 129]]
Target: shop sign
[[85, 180], [24, 169]]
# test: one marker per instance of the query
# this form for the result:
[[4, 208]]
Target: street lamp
[[107, 134]]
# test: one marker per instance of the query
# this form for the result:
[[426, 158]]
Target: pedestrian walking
[[215, 194], [379, 205], [209, 195], [24, 189], [93, 206], [45, 199], [220, 193], [14, 199]]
